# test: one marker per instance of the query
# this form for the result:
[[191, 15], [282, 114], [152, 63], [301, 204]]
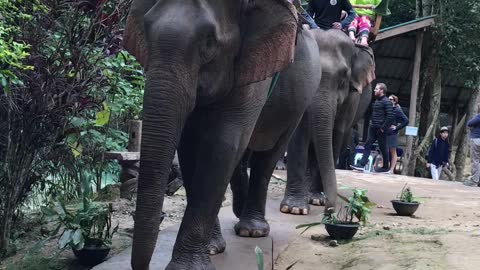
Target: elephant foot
[[217, 244], [191, 261], [294, 205], [252, 228], [317, 198], [280, 165]]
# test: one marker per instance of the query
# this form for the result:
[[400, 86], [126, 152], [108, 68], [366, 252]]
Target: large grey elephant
[[316, 144], [296, 88], [207, 64], [339, 59]]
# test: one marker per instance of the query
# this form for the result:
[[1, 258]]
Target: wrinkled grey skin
[[294, 91], [196, 101], [352, 110], [315, 145], [336, 53], [349, 117]]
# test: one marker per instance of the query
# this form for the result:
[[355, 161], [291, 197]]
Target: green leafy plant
[[358, 206], [259, 257], [407, 196], [89, 225]]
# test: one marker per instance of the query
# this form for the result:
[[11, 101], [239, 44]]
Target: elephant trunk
[[323, 119], [169, 98]]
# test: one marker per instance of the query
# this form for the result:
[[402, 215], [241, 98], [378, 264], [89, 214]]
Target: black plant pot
[[405, 208], [342, 231], [93, 253]]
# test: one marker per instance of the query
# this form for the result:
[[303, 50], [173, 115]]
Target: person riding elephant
[[328, 14], [208, 67]]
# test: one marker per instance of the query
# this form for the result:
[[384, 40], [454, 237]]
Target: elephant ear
[[134, 33], [363, 67], [269, 29]]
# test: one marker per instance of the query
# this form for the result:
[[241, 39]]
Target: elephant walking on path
[[207, 64], [326, 125], [318, 82]]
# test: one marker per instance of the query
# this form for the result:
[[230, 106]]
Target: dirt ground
[[444, 234]]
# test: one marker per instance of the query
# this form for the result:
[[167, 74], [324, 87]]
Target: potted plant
[[406, 205], [344, 225], [88, 230]]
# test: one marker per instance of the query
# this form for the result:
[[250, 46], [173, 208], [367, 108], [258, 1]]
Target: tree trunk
[[433, 116], [463, 145], [427, 7], [5, 226]]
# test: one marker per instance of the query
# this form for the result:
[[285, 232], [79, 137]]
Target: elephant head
[[195, 52], [363, 68]]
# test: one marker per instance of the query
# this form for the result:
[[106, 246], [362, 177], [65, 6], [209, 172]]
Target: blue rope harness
[[272, 84]]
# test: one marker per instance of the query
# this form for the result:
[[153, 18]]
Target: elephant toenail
[[285, 209], [244, 233], [305, 211], [257, 233], [295, 211]]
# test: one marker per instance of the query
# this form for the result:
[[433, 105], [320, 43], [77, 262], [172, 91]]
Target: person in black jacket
[[328, 13], [381, 120], [401, 121], [438, 153]]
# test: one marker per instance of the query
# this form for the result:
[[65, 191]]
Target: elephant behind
[[337, 56], [346, 70]]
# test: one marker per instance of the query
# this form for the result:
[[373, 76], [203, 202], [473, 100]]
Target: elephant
[[316, 144], [208, 66], [337, 56], [344, 122], [292, 95]]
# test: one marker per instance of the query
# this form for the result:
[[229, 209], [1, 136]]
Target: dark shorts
[[392, 141]]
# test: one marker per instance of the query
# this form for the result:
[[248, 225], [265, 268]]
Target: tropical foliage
[[67, 91]]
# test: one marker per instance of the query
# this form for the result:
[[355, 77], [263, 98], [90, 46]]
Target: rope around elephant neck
[[272, 84]]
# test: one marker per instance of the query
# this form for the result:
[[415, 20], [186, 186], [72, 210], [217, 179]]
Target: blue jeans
[[309, 19], [375, 134]]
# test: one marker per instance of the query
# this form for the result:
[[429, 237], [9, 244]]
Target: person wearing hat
[[438, 153]]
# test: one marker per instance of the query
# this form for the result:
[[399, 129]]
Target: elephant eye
[[208, 48]]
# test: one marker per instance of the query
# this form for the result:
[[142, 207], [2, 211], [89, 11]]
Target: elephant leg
[[190, 145], [217, 243], [252, 221], [316, 195], [295, 200], [219, 142], [239, 184]]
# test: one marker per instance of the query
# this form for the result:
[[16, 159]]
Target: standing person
[[381, 120], [438, 153], [401, 121], [328, 13], [474, 125]]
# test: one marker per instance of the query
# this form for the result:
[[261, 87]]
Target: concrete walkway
[[381, 189]]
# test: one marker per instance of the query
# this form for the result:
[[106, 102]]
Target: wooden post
[[413, 97], [134, 135], [130, 167]]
